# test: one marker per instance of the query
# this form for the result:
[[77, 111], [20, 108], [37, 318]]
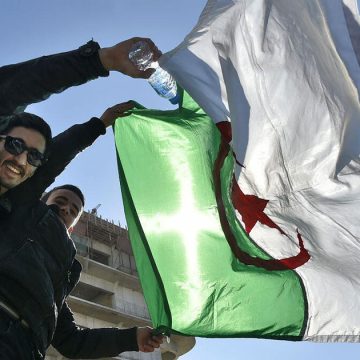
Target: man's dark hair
[[69, 187], [29, 121]]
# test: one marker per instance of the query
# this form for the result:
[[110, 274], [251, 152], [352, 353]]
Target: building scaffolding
[[93, 228]]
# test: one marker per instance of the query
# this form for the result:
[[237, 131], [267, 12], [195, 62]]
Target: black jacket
[[35, 80], [38, 268]]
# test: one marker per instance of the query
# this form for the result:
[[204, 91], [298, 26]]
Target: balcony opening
[[99, 256], [93, 294]]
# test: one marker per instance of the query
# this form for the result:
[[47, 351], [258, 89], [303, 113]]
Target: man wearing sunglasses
[[22, 150], [38, 268], [16, 146]]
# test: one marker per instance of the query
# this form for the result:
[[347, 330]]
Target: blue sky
[[33, 28]]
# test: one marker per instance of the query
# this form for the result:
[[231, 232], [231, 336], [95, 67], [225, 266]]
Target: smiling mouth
[[15, 169]]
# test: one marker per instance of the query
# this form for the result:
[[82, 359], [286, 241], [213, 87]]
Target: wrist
[[106, 58], [97, 125]]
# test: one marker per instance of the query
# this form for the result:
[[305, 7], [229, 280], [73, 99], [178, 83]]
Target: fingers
[[151, 44], [147, 73], [154, 49], [148, 342], [157, 53], [120, 109], [152, 344], [136, 73], [112, 113], [156, 340]]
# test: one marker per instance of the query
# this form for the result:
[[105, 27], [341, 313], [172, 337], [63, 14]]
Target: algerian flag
[[281, 80], [177, 178]]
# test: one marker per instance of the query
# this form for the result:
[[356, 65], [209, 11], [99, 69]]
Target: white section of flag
[[285, 74]]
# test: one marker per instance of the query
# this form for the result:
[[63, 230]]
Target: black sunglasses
[[16, 146]]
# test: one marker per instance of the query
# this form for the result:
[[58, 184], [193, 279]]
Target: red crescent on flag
[[251, 208]]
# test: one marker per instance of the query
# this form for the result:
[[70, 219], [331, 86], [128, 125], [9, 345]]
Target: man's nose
[[21, 158], [66, 209]]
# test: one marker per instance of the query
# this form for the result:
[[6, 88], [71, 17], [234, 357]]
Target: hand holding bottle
[[144, 58], [117, 57]]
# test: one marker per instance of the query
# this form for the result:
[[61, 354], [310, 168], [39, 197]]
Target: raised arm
[[64, 148], [73, 342], [35, 80]]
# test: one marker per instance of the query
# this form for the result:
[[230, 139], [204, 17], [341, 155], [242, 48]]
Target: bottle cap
[[175, 100]]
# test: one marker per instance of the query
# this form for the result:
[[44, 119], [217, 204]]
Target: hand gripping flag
[[201, 273]]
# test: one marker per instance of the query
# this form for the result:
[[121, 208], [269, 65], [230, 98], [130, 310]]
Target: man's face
[[14, 169], [70, 206]]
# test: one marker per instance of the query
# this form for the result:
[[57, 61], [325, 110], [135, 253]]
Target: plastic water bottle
[[161, 81]]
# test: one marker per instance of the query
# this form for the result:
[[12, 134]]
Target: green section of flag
[[192, 282]]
